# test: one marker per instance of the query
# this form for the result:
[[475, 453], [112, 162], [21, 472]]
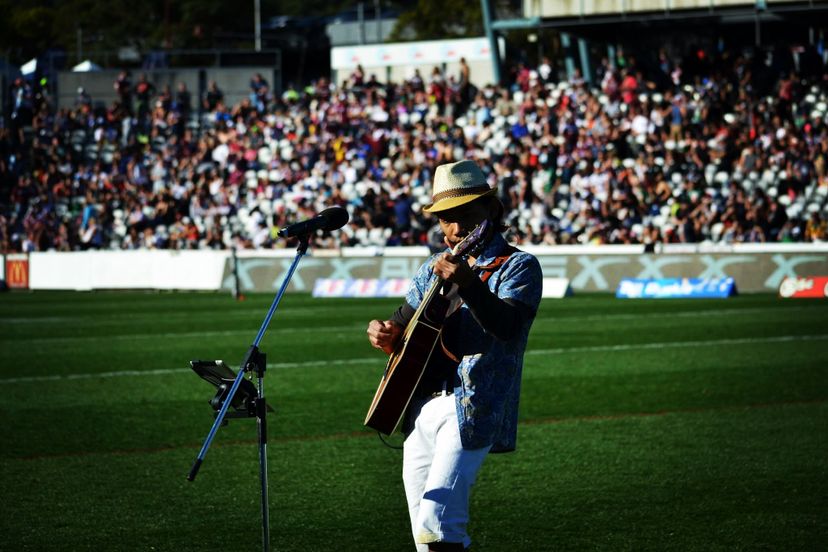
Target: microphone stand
[[255, 362]]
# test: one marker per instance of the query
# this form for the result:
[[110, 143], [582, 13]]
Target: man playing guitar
[[465, 404]]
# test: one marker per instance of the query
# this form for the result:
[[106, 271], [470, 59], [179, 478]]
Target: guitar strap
[[485, 272]]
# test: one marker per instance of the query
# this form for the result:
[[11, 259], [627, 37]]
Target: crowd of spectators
[[714, 147]]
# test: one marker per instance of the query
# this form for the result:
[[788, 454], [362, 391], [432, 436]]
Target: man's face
[[457, 223]]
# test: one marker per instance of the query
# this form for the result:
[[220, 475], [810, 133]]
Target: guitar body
[[416, 348], [402, 375]]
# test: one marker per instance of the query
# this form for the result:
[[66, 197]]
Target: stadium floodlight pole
[[254, 361], [257, 24], [486, 8]]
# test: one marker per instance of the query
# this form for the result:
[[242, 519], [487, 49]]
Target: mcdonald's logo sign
[[17, 271]]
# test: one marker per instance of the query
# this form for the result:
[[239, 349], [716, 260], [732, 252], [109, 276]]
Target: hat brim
[[452, 202]]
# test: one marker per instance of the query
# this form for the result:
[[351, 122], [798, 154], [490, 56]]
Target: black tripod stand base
[[194, 470]]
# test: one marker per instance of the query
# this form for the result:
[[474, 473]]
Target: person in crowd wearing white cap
[[465, 405]]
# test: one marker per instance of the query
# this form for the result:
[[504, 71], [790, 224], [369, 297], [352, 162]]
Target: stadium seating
[[700, 161]]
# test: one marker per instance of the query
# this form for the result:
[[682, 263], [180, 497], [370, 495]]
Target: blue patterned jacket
[[490, 370]]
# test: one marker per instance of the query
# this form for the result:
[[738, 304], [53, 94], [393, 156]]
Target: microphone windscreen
[[335, 218]]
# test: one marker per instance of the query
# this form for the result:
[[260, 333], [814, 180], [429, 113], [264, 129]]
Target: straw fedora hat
[[456, 184]]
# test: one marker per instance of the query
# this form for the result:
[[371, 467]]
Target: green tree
[[30, 27], [25, 28]]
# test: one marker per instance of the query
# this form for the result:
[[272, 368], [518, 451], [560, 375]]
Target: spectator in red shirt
[[629, 87]]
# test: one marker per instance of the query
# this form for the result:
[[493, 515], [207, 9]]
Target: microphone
[[332, 218]]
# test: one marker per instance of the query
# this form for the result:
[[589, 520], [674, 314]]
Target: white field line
[[198, 335], [682, 314], [105, 319], [377, 360], [557, 318]]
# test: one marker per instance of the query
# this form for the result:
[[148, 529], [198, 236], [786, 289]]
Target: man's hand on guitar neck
[[455, 270], [384, 335]]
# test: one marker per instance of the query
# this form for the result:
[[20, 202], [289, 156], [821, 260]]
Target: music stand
[[221, 376], [246, 399]]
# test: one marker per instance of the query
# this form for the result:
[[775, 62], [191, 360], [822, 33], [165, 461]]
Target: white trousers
[[438, 475]]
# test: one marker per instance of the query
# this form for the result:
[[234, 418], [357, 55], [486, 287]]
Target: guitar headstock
[[472, 241]]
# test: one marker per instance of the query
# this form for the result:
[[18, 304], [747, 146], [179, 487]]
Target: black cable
[[384, 442]]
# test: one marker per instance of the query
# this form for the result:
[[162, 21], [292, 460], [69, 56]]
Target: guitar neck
[[458, 250], [433, 289]]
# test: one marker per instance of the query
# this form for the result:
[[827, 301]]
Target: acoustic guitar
[[408, 362]]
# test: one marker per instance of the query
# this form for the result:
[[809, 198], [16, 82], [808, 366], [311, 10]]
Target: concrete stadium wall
[[233, 81], [756, 268]]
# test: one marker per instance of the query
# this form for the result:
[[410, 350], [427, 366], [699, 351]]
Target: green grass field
[[646, 425]]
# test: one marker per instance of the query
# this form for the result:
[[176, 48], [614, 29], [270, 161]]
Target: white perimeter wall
[[204, 270], [185, 270]]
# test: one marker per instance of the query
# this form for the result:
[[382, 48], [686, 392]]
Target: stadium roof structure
[[577, 13], [583, 16], [647, 21]]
